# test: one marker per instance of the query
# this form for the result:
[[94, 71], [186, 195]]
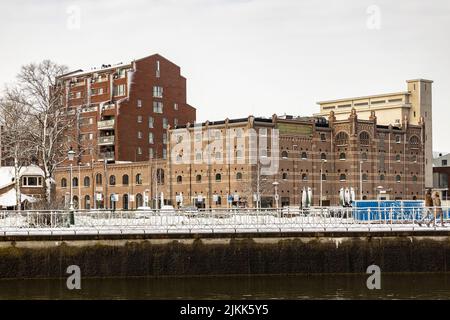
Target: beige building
[[396, 109]]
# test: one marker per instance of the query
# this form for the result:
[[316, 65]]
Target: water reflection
[[394, 286]]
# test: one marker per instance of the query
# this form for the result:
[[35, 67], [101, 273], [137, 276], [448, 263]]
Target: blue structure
[[387, 210]]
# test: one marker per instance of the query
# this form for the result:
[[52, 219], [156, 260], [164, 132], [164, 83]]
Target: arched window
[[112, 180], [87, 181], [160, 176], [284, 176], [63, 183], [324, 177], [179, 179], [364, 138], [342, 156], [75, 182], [239, 176], [218, 177], [398, 179], [139, 200], [87, 202], [382, 177], [323, 156], [364, 156], [364, 177], [238, 153], [414, 141], [284, 154], [342, 177], [198, 178], [414, 179], [139, 178], [125, 202], [304, 177], [76, 202], [98, 179], [342, 138], [125, 179], [397, 158], [304, 155]]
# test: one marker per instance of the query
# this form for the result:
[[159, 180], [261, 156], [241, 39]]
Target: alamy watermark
[[74, 280], [374, 280], [374, 18], [227, 146], [73, 21]]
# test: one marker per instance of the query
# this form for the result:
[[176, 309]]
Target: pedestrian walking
[[438, 209], [428, 210]]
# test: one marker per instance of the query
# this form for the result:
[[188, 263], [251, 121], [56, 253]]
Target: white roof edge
[[365, 97]]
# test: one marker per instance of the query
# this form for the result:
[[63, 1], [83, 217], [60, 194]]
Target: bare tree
[[43, 95], [17, 141]]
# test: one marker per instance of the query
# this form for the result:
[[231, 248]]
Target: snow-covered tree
[[40, 91], [18, 148]]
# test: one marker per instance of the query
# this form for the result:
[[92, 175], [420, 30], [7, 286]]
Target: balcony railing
[[106, 124], [107, 140], [107, 155]]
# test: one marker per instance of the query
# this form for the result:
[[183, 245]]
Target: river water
[[393, 286]]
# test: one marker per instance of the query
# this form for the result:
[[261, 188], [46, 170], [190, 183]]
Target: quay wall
[[223, 254]]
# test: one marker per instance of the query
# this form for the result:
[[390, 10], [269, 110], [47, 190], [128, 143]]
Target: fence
[[213, 221]]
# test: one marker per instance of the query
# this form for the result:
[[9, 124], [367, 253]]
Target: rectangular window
[[164, 151], [139, 134], [175, 122], [119, 90], [158, 69], [175, 106], [139, 150], [164, 138], [157, 107], [139, 119], [151, 122], [31, 181], [151, 153], [122, 73], [151, 138], [91, 136], [165, 123], [139, 103], [444, 163], [157, 92]]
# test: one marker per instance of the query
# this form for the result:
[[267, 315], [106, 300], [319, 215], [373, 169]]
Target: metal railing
[[218, 221]]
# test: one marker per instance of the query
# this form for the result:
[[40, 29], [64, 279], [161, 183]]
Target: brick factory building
[[321, 153], [122, 111]]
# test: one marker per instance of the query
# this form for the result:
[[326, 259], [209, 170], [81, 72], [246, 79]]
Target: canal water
[[393, 286]]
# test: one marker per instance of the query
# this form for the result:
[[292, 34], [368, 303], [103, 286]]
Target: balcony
[[106, 141], [109, 156], [106, 124]]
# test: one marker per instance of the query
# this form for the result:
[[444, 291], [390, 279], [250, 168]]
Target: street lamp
[[71, 156], [321, 178], [275, 184], [360, 180]]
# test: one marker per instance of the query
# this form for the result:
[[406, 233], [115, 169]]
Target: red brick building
[[122, 111]]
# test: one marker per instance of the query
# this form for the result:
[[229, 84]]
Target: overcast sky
[[245, 57]]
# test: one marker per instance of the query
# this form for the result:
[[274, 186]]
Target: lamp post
[[275, 184], [360, 180], [71, 155], [321, 178]]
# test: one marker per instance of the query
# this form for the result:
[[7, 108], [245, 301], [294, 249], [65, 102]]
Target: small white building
[[31, 186]]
